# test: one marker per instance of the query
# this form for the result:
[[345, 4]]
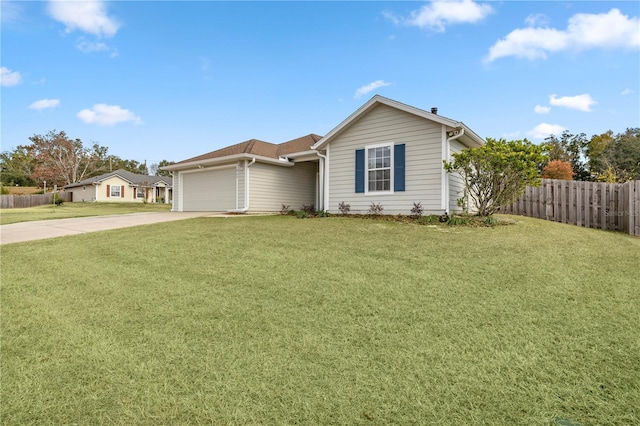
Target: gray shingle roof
[[132, 178], [262, 148]]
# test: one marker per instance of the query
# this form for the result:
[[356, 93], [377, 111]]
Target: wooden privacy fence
[[614, 206], [21, 201]]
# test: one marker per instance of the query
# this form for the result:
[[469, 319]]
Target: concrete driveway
[[42, 229]]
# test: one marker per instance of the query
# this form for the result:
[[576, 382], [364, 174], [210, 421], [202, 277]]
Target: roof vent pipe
[[434, 110]]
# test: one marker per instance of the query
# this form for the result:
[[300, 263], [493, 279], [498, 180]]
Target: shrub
[[496, 173], [375, 209], [284, 209], [490, 221], [455, 220], [309, 209], [417, 209], [432, 218], [344, 208], [323, 213], [4, 190], [302, 214], [57, 200]]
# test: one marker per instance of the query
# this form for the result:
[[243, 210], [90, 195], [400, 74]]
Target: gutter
[[246, 190], [226, 159], [323, 186], [445, 175]]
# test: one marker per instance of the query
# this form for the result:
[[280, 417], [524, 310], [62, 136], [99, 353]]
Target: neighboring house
[[386, 152], [121, 186]]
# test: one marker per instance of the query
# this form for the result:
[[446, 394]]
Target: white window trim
[[119, 191], [366, 168]]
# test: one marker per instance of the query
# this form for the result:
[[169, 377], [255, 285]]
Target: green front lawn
[[278, 320], [68, 210]]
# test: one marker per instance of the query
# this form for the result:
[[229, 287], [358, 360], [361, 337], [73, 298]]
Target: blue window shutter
[[398, 171], [359, 170]]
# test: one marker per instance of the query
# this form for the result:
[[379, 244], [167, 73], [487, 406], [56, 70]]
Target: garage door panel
[[209, 191]]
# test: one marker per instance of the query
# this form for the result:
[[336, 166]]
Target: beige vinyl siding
[[80, 196], [456, 183], [116, 181], [240, 176], [272, 186], [423, 161], [177, 195]]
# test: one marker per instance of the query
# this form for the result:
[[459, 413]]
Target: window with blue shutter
[[359, 170], [398, 167], [375, 165]]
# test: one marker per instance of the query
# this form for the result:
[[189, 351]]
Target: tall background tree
[[571, 148], [615, 158], [61, 160], [156, 171], [16, 167]]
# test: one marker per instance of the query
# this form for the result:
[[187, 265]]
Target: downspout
[[446, 182], [323, 159], [246, 189]]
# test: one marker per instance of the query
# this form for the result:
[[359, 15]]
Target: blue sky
[[154, 80]]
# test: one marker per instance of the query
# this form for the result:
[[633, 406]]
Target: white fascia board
[[302, 156], [226, 159]]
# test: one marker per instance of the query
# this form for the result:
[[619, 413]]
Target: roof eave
[[225, 159]]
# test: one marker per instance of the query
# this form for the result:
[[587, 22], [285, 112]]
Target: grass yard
[[68, 210], [277, 320]]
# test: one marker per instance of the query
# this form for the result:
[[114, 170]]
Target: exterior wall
[[116, 181], [241, 171], [177, 192], [423, 141], [80, 195], [456, 183], [272, 186]]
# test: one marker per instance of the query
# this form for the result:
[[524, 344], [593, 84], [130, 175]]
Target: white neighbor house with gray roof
[[121, 186], [385, 152]]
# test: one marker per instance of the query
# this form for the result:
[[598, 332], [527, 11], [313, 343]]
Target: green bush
[[426, 220], [57, 200], [456, 220]]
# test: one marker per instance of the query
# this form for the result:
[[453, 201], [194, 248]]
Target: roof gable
[[380, 100]]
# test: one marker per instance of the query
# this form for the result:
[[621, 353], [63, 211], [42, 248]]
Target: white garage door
[[213, 191]]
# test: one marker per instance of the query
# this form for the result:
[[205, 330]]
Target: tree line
[[606, 157], [60, 160], [496, 173]]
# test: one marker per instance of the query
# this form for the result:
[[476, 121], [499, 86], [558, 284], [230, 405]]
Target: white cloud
[[539, 109], [10, 11], [626, 91], [436, 15], [370, 87], [108, 115], [9, 78], [584, 31], [537, 19], [90, 47], [579, 102], [45, 103], [89, 16], [543, 130]]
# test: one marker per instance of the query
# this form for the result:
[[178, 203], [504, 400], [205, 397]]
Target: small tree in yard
[[496, 173], [558, 169]]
